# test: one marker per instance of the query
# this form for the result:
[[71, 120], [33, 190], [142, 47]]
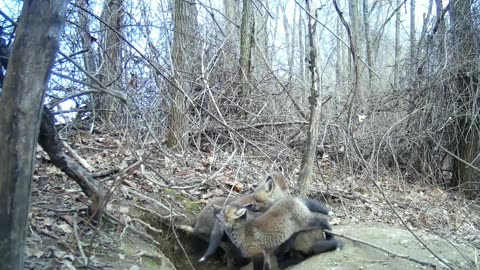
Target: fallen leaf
[[66, 228], [52, 170], [59, 254], [68, 219], [68, 265], [48, 221], [34, 252]]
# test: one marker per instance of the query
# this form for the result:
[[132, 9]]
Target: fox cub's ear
[[269, 184], [241, 213], [249, 206]]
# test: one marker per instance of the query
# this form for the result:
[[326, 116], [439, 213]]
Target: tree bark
[[396, 68], [245, 53], [441, 30], [412, 68], [289, 43], [34, 50], [368, 43], [87, 39], [466, 60], [110, 72], [51, 143], [355, 31], [261, 39], [183, 57], [306, 169], [231, 45]]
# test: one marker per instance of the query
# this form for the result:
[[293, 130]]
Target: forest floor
[[164, 189]]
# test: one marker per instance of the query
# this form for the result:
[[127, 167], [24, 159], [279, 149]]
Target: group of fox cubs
[[268, 227]]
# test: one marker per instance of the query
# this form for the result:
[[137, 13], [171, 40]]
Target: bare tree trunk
[[275, 31], [112, 14], [466, 60], [301, 45], [441, 31], [289, 46], [396, 71], [306, 169], [87, 39], [183, 57], [368, 42], [29, 68], [231, 12], [245, 53], [412, 68], [338, 61], [261, 38], [355, 27]]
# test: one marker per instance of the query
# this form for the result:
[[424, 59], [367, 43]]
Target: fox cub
[[259, 237], [275, 187]]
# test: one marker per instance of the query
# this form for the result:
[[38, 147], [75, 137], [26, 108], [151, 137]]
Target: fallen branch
[[80, 160], [260, 125], [79, 243], [150, 227], [105, 173]]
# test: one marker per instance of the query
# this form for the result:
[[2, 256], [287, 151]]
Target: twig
[[122, 96], [472, 264], [352, 108], [456, 157], [384, 196], [77, 209], [150, 227], [391, 253], [221, 169], [151, 211], [80, 160], [260, 125], [97, 89], [77, 237], [150, 178], [105, 172], [134, 230], [155, 201], [180, 243]]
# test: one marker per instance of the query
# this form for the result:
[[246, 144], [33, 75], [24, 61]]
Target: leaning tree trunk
[[52, 144], [33, 53], [306, 169]]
